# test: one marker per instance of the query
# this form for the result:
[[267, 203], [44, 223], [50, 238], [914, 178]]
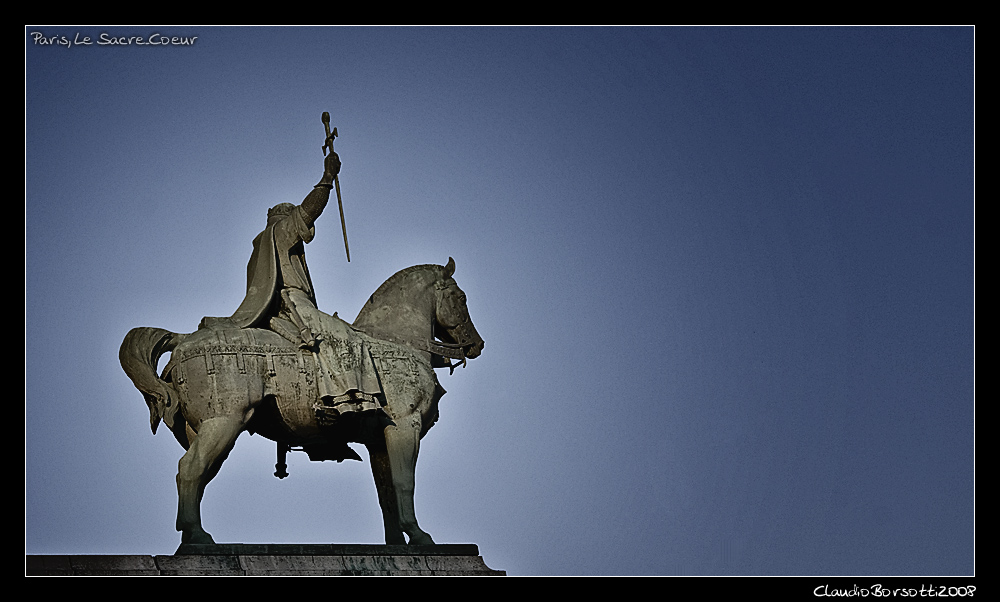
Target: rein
[[449, 350]]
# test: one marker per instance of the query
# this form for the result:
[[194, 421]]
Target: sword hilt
[[328, 142]]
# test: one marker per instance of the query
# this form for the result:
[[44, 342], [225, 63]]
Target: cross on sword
[[336, 179]]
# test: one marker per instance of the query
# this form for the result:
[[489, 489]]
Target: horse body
[[221, 381]]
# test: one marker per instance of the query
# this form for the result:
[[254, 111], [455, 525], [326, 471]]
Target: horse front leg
[[382, 472], [402, 443], [215, 439]]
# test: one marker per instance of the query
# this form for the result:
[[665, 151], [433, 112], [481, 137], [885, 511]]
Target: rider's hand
[[332, 165]]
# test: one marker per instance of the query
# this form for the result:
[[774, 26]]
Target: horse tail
[[139, 354]]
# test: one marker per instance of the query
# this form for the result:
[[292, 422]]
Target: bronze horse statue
[[221, 381]]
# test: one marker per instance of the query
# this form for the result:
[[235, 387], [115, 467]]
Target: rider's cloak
[[278, 260]]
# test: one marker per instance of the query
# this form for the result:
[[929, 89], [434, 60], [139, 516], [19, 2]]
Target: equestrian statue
[[281, 368]]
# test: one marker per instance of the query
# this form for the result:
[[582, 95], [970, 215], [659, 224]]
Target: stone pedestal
[[276, 559]]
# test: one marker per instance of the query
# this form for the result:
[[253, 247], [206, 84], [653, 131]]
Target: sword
[[336, 179]]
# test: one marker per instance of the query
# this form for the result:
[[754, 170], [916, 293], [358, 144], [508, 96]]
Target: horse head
[[453, 325], [418, 305]]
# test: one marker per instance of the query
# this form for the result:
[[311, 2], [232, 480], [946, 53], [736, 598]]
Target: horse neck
[[402, 308]]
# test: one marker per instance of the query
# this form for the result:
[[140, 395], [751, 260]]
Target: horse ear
[[449, 270]]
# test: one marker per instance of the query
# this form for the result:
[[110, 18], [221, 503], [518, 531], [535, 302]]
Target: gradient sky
[[726, 279]]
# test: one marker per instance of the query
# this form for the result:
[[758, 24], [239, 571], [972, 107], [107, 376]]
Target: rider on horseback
[[280, 297], [277, 277]]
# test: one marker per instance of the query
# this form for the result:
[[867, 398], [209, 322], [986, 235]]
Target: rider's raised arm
[[316, 200]]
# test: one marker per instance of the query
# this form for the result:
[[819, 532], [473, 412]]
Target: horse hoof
[[395, 541], [201, 537], [421, 539]]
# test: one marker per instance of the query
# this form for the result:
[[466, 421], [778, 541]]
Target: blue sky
[[726, 279]]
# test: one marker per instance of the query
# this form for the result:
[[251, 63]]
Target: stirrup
[[308, 340]]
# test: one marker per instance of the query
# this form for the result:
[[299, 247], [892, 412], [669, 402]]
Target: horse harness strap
[[453, 351]]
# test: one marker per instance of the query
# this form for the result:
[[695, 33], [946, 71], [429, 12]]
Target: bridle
[[450, 350]]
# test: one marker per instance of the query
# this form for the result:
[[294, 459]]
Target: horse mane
[[391, 281], [390, 286]]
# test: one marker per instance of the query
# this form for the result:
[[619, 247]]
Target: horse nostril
[[475, 350]]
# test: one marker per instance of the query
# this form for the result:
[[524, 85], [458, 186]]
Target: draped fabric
[[278, 260]]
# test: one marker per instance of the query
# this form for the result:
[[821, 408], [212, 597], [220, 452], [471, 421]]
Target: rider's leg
[[294, 300]]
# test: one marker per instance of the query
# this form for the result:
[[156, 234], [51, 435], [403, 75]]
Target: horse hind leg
[[209, 449]]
